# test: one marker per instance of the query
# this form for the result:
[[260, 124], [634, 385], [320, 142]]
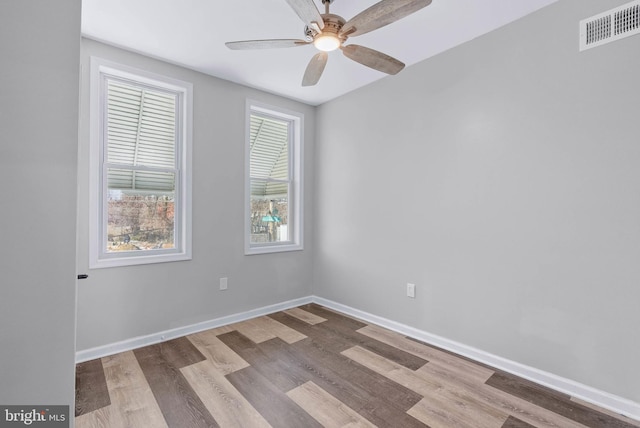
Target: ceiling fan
[[328, 32]]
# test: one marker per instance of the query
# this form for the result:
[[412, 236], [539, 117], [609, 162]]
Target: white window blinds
[[269, 159], [141, 138]]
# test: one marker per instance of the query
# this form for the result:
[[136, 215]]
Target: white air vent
[[615, 24]]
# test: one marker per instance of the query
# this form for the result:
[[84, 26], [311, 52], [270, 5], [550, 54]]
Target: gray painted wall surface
[[116, 304], [502, 178], [39, 47]]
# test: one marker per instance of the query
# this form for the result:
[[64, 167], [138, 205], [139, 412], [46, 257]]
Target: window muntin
[[274, 212], [142, 143]]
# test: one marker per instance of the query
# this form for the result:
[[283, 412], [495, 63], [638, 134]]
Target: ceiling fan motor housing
[[332, 25]]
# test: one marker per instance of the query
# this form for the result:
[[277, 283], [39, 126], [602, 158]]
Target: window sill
[[270, 249], [138, 260]]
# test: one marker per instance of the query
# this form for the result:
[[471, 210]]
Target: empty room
[[301, 213]]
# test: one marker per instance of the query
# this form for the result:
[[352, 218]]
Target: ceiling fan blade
[[308, 12], [265, 44], [374, 59], [380, 14], [314, 69]]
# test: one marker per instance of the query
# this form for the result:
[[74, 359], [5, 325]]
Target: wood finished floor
[[313, 367]]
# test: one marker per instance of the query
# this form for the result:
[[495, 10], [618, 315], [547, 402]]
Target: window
[[273, 217], [140, 167]]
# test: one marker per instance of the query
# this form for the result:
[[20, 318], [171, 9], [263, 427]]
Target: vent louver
[[606, 27]]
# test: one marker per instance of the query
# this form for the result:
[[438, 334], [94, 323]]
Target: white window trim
[[296, 225], [98, 258]]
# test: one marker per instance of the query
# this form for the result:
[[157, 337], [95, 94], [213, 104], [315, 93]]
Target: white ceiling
[[192, 33]]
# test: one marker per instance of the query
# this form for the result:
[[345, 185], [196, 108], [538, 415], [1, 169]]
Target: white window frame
[[296, 148], [101, 70]]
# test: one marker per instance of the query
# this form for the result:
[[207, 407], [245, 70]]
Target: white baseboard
[[140, 341], [591, 395]]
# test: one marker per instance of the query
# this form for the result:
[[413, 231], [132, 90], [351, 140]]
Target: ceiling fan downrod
[[326, 4]]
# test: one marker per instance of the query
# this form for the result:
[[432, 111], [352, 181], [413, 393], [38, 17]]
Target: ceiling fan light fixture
[[327, 42]]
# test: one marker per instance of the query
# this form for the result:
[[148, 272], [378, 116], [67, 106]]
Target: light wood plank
[[498, 399], [305, 316], [434, 378], [222, 329], [444, 406], [473, 372], [100, 418], [280, 330], [227, 406], [254, 331], [325, 408], [437, 413], [132, 402], [391, 370], [265, 328], [219, 354]]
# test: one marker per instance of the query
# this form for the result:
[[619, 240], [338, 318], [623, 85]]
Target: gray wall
[[116, 304], [502, 178], [39, 47]]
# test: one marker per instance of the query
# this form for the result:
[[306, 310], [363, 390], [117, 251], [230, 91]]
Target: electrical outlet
[[223, 283], [411, 290]]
